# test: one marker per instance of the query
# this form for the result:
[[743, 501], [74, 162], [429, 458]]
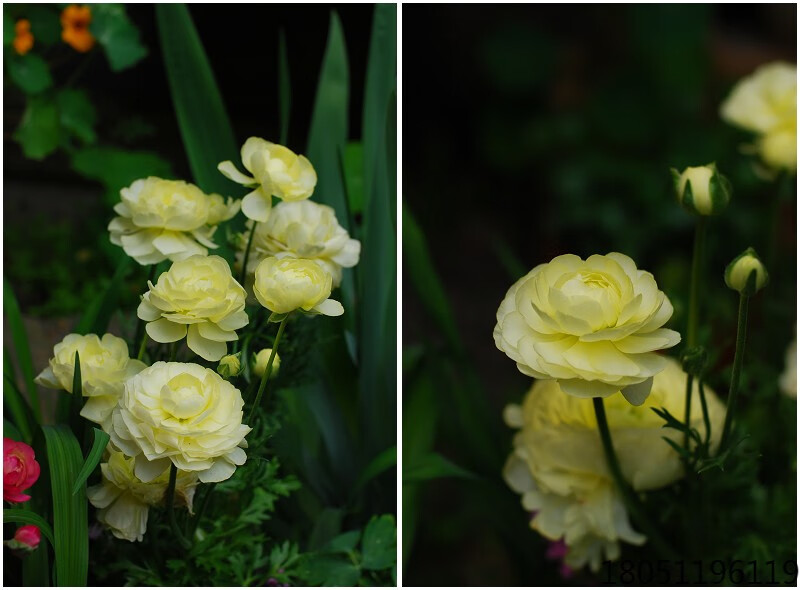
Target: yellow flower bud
[[230, 365], [260, 361], [277, 171], [286, 284], [738, 272], [702, 189]]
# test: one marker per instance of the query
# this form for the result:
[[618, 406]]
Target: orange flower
[[23, 41], [75, 20]]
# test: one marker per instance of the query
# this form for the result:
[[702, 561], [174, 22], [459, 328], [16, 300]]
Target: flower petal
[[165, 331], [232, 173], [256, 206]]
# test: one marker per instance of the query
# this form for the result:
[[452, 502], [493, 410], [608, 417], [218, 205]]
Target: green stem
[[688, 414], [200, 510], [694, 306], [632, 502], [142, 346], [733, 392], [173, 523], [243, 274], [268, 370], [706, 418]]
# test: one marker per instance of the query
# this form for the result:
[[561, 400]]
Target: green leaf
[[92, 459], [10, 431], [205, 128], [329, 570], [118, 36], [70, 517], [378, 309], [379, 545], [344, 543], [117, 168], [354, 176], [38, 133], [380, 83], [385, 460], [18, 409], [77, 114], [98, 313], [433, 466], [326, 527], [45, 23], [328, 134], [29, 72], [21, 348], [284, 88], [23, 516], [426, 281]]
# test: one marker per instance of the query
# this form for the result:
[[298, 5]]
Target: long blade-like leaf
[[327, 140], [205, 127], [92, 459], [18, 409], [382, 462], [70, 513], [23, 516], [328, 134], [23, 352], [380, 82]]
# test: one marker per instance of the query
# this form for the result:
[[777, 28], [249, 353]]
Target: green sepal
[[720, 191], [277, 318]]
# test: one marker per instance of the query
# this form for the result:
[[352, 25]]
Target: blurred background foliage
[[533, 131], [179, 91]]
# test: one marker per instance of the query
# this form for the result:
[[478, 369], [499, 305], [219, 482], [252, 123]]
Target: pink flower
[[20, 470], [557, 551], [28, 536]]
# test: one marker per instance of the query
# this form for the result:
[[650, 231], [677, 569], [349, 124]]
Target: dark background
[[533, 131]]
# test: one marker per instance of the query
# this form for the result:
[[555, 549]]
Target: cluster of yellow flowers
[[593, 329], [179, 415]]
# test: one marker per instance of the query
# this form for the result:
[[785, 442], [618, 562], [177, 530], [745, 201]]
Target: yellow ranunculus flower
[[123, 501], [738, 272], [559, 467], [276, 171], [283, 285], [167, 219], [197, 298], [181, 413], [766, 104], [104, 367], [261, 360], [302, 229], [592, 325]]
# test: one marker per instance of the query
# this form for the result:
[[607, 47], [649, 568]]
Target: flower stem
[[268, 370], [243, 274], [142, 346], [173, 475], [706, 418], [200, 510], [694, 306], [632, 502], [733, 392]]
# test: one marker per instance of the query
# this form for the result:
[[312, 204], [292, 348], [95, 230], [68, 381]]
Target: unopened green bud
[[746, 273], [230, 366], [702, 189]]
